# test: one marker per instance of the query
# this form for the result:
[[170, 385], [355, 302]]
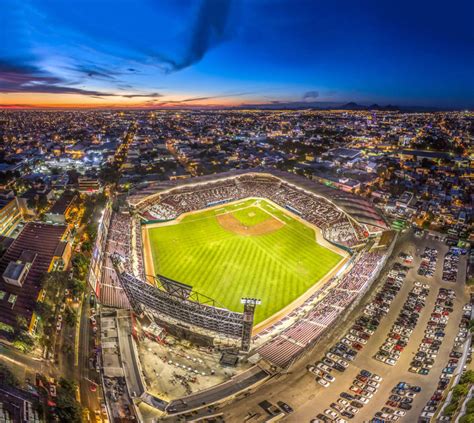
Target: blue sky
[[211, 52]]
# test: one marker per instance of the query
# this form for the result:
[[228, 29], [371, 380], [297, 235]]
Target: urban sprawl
[[92, 331]]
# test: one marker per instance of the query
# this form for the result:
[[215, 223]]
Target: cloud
[[153, 95], [17, 76], [210, 29], [15, 73], [94, 71], [310, 95], [193, 99]]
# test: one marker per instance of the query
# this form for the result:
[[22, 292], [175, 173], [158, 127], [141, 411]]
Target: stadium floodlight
[[254, 301]]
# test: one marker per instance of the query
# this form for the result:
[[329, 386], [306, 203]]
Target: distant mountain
[[320, 105], [375, 106]]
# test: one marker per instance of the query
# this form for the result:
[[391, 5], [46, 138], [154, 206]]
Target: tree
[[77, 287], [7, 377], [450, 409], [81, 265], [21, 323], [460, 390], [71, 317], [468, 377], [43, 309], [109, 174], [86, 246], [23, 341], [67, 408]]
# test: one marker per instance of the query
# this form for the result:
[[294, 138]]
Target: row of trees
[[460, 392], [68, 409], [55, 284]]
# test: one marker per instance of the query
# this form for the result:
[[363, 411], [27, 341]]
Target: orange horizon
[[74, 101]]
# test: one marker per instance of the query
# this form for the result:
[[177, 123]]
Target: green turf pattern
[[277, 267]]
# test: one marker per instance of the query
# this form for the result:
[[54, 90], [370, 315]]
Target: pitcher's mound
[[232, 224]]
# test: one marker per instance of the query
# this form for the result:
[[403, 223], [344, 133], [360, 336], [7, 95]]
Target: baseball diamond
[[248, 248]]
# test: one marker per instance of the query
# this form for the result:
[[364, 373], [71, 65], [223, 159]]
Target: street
[[83, 375]]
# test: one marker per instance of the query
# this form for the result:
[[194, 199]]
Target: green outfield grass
[[277, 267]]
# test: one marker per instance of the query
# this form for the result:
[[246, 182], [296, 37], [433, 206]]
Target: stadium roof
[[357, 207], [40, 239]]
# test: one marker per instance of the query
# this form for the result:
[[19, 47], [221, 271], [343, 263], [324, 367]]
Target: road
[[83, 375], [299, 389]]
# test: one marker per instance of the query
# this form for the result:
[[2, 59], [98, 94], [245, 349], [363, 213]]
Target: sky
[[184, 53]]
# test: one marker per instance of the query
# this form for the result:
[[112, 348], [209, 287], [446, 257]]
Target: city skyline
[[235, 54]]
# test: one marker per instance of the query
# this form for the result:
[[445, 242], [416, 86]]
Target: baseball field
[[249, 248]]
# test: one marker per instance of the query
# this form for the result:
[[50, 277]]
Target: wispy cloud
[[17, 76], [210, 29], [196, 99], [152, 95], [94, 71]]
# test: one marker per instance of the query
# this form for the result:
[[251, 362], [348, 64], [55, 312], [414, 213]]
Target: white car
[[330, 413], [352, 410], [322, 382], [373, 383], [343, 402], [377, 378], [323, 367], [332, 356], [343, 363], [390, 361], [400, 413]]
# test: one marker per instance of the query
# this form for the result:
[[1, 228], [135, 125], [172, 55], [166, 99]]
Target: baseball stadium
[[239, 274]]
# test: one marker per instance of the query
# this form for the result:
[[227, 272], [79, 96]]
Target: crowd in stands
[[336, 226], [118, 242], [311, 322], [137, 250]]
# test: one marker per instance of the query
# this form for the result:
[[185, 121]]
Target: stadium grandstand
[[343, 218], [119, 278], [281, 187]]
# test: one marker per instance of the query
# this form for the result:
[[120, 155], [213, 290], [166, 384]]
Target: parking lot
[[395, 372], [309, 398]]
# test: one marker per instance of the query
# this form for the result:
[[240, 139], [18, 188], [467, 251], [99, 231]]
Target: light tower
[[249, 311]]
